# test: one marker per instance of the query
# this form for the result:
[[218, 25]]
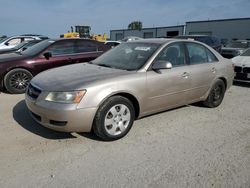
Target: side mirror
[[47, 55], [160, 64], [24, 48]]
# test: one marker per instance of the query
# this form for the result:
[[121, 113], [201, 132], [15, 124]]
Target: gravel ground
[[190, 146]]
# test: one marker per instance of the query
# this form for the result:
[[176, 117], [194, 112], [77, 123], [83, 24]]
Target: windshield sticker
[[141, 48]]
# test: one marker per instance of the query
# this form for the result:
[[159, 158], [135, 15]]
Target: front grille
[[241, 76], [237, 69], [33, 91], [246, 70]]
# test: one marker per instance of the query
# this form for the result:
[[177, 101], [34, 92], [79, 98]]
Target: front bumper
[[61, 117]]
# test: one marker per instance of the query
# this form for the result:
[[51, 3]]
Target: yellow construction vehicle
[[100, 38], [84, 32]]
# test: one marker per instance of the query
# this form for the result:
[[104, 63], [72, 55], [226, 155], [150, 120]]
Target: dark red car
[[17, 69]]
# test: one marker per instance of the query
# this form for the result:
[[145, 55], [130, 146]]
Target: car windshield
[[237, 44], [246, 53], [37, 48], [127, 56]]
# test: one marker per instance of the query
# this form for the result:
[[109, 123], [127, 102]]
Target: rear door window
[[211, 57], [62, 48], [197, 53], [86, 46]]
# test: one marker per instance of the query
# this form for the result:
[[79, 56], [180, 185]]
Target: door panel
[[167, 88], [202, 65], [41, 63], [201, 77]]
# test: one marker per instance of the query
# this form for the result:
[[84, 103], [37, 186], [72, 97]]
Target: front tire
[[17, 80], [216, 94], [114, 118]]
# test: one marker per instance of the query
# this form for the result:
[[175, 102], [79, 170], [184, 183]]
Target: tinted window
[[38, 48], [174, 54], [85, 46], [62, 48], [197, 53]]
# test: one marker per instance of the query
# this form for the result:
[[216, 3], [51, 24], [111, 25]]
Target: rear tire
[[114, 118], [216, 94], [17, 80]]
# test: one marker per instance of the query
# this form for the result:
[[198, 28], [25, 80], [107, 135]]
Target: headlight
[[66, 97]]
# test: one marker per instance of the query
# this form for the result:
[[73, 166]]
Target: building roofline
[[148, 28], [219, 20]]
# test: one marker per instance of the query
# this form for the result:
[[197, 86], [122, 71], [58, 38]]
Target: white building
[[148, 32]]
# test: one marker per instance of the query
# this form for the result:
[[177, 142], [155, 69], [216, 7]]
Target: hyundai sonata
[[133, 80]]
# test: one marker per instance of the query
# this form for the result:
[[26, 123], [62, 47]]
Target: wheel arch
[[128, 96], [224, 80]]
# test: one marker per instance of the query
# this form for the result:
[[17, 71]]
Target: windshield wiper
[[17, 52], [105, 65]]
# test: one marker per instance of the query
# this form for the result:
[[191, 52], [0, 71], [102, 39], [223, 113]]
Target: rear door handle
[[185, 75], [213, 70]]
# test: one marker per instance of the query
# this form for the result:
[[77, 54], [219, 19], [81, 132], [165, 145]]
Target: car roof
[[157, 40], [73, 39]]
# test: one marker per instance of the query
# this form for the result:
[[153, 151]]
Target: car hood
[[74, 77], [241, 61], [11, 57]]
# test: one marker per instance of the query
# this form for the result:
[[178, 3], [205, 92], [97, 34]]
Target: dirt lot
[[190, 146]]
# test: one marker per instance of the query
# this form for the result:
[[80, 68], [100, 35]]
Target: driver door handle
[[185, 75]]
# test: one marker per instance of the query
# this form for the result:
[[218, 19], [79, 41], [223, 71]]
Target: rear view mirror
[[160, 64], [47, 55]]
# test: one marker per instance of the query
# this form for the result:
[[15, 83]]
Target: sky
[[54, 17]]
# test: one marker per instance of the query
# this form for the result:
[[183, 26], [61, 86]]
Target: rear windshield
[[237, 44], [246, 53]]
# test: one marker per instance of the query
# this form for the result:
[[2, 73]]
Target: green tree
[[135, 25]]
